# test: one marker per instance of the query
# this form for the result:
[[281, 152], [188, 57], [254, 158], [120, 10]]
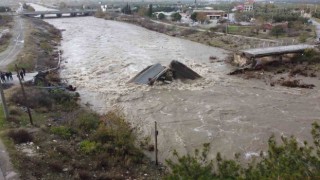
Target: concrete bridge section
[[269, 54], [72, 13]]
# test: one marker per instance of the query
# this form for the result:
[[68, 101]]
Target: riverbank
[[40, 46], [66, 141], [6, 23], [211, 37]]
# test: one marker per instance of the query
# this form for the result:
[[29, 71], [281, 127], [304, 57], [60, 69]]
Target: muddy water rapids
[[233, 114]]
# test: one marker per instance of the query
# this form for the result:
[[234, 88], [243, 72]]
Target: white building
[[104, 8], [248, 5]]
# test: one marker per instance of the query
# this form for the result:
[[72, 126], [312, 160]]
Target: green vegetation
[[176, 17], [5, 9], [5, 22], [126, 9], [161, 16], [4, 41], [150, 11], [88, 147], [62, 131], [277, 17], [277, 31], [287, 160], [194, 16]]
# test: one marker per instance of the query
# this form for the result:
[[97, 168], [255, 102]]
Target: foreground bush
[[287, 160], [38, 98], [20, 136]]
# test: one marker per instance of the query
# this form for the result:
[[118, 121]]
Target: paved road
[[317, 29], [16, 44]]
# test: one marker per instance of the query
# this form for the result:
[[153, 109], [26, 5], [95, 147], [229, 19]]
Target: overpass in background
[[72, 13]]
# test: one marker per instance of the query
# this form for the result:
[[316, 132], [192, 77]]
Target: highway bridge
[[72, 13]]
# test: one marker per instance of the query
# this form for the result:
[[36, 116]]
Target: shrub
[[62, 131], [20, 136], [103, 134], [161, 16], [85, 175], [67, 100], [288, 160], [191, 167], [88, 147], [87, 121], [56, 166], [35, 98], [14, 111]]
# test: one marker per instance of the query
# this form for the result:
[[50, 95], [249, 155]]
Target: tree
[[142, 11], [277, 30], [194, 16], [201, 17], [191, 167], [150, 11], [176, 16], [126, 9], [161, 16]]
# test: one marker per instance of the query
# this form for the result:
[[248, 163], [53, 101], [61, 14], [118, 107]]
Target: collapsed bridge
[[157, 72], [268, 54]]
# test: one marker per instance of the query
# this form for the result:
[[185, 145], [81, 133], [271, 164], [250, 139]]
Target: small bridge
[[269, 54], [72, 13]]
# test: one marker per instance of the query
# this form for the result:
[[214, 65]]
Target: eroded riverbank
[[233, 114]]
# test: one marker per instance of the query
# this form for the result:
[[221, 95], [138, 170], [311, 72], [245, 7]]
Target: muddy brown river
[[233, 114]]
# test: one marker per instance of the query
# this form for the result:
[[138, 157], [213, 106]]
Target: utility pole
[[156, 141], [4, 104], [24, 95]]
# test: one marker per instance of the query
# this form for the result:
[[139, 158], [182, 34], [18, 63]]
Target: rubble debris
[[298, 70], [238, 71], [212, 57], [296, 83], [157, 72]]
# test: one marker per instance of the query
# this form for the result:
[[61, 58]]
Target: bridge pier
[[42, 16], [59, 15], [73, 14]]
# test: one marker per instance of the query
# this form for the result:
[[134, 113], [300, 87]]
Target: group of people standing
[[21, 74], [6, 76]]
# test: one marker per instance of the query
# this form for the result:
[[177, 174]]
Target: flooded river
[[233, 114]]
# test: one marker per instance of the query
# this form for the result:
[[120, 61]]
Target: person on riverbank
[[10, 75], [24, 71], [21, 75], [3, 78], [7, 76]]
